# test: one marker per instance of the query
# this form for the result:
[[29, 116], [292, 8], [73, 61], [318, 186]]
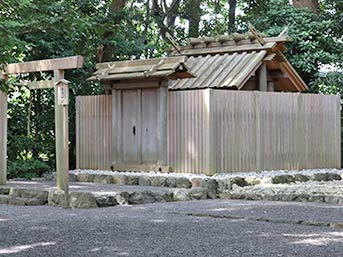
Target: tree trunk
[[193, 10], [118, 5], [232, 15], [313, 5]]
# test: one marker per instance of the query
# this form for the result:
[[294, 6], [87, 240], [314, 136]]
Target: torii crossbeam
[[61, 110]]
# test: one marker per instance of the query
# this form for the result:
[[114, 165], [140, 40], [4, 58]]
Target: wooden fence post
[[258, 134], [3, 138], [61, 133], [300, 144]]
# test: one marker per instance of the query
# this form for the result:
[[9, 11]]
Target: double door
[[140, 126]]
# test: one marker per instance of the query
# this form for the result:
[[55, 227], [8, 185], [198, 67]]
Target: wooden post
[[163, 101], [271, 87], [61, 133], [262, 75], [302, 161], [3, 138], [258, 134]]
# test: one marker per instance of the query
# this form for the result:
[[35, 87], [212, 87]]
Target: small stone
[[56, 198], [171, 181], [4, 190], [103, 179], [224, 186], [17, 201], [144, 197], [82, 200], [15, 192], [82, 177], [85, 177], [302, 197], [158, 181], [286, 197], [283, 179], [252, 181], [106, 200], [131, 180], [122, 198], [316, 198], [196, 182], [35, 202], [239, 181], [40, 195], [119, 179], [198, 193], [183, 183], [144, 180], [181, 195], [72, 177], [4, 199], [334, 176], [301, 178], [331, 199], [321, 177], [266, 180]]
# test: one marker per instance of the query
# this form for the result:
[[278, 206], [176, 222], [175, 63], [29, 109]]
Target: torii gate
[[61, 110]]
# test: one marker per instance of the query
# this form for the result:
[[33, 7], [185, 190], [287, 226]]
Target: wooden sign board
[[62, 94]]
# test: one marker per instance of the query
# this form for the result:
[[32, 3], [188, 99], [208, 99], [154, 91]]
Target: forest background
[[104, 30]]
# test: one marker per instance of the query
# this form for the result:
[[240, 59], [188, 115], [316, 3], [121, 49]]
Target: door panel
[[149, 125], [131, 126]]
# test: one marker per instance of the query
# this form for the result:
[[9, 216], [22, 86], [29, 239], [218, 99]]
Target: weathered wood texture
[[189, 131], [3, 137], [212, 131], [250, 131], [94, 132], [65, 63]]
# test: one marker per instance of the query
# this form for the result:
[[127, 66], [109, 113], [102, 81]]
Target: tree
[[232, 15], [312, 5]]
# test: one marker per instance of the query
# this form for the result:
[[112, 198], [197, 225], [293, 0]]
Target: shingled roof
[[230, 61], [170, 68], [221, 71]]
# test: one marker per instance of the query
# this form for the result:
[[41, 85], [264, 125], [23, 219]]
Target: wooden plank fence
[[94, 132], [213, 131], [3, 137], [252, 131]]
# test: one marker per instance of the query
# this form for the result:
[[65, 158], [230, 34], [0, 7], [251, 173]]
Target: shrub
[[26, 168]]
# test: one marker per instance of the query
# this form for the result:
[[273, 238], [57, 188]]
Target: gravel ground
[[260, 174], [196, 228]]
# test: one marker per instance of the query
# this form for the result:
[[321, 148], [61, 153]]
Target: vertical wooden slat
[[94, 139], [3, 138]]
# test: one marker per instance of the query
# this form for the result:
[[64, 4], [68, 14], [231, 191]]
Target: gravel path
[[196, 228]]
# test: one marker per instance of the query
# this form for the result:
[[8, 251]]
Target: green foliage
[[35, 29], [26, 168], [316, 38], [331, 83]]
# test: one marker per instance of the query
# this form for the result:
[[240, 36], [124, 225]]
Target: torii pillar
[[61, 108]]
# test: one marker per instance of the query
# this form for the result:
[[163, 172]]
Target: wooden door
[[150, 132], [131, 119]]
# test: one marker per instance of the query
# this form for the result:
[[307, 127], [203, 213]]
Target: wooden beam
[[262, 75], [228, 49], [258, 37], [66, 63], [284, 32], [43, 84]]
